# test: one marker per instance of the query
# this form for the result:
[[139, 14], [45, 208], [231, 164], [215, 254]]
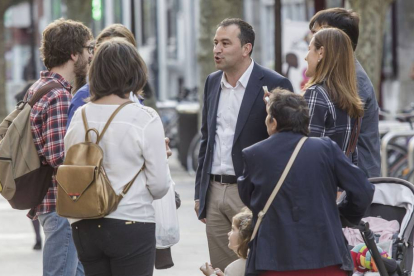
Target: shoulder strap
[[42, 91], [353, 141], [111, 118], [127, 186], [278, 186], [86, 126]]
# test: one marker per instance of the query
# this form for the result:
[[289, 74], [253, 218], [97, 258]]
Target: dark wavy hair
[[117, 68], [343, 19], [290, 111], [61, 39]]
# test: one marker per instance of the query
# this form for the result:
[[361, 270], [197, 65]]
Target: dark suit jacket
[[369, 159], [302, 228], [250, 126]]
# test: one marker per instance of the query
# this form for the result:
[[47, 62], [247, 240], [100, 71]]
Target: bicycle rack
[[384, 144]]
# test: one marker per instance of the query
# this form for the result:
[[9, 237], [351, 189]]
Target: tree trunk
[[371, 34], [4, 5], [212, 12], [80, 10], [405, 23]]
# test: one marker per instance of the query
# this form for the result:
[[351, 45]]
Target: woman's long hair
[[337, 70]]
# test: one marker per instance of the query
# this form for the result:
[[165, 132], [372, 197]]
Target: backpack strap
[[111, 118], [87, 129], [129, 184], [41, 92]]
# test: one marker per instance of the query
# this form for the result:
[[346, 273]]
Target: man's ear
[[74, 57], [247, 48], [274, 124]]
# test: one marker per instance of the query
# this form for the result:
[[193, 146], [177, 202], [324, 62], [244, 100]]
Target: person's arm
[[359, 191], [318, 108], [156, 165], [54, 128], [203, 147], [244, 184]]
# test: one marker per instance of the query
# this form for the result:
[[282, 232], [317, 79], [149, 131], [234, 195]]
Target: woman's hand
[[207, 269]]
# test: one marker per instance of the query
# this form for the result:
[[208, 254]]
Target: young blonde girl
[[239, 237]]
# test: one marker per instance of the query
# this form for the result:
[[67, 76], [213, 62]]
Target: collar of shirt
[[56, 76], [244, 79]]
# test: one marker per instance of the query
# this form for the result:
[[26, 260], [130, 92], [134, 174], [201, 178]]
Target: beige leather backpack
[[84, 190]]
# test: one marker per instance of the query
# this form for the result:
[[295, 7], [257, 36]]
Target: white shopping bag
[[167, 231]]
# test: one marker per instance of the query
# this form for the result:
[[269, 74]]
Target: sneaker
[[37, 246]]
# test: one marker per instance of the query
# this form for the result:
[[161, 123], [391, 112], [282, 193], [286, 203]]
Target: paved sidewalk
[[17, 258]]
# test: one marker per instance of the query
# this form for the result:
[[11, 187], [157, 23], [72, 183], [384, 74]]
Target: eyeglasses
[[91, 48]]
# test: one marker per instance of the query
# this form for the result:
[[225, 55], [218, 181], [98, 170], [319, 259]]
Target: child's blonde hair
[[243, 222]]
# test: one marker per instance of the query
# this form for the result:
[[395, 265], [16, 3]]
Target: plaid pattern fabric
[[327, 120], [48, 122]]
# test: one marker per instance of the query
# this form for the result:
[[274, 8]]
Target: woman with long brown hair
[[331, 92]]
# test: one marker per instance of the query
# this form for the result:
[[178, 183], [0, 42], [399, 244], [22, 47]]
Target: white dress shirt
[[227, 114]]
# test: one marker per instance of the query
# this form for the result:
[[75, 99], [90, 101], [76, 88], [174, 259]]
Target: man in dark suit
[[233, 118]]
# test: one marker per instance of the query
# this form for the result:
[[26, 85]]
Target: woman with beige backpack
[[131, 171]]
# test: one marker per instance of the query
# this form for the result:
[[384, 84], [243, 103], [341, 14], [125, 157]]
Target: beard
[[80, 70]]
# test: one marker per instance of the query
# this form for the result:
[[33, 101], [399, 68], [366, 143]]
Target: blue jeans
[[59, 253]]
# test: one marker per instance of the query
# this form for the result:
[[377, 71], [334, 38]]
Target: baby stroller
[[393, 200]]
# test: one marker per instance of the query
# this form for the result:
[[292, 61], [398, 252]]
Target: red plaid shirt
[[48, 122]]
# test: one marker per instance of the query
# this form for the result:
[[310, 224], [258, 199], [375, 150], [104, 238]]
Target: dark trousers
[[112, 247]]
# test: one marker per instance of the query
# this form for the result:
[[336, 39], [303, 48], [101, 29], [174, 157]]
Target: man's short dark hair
[[290, 111], [246, 35], [61, 39], [343, 19], [117, 69]]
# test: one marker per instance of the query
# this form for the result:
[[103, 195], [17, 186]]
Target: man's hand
[[197, 208], [167, 147]]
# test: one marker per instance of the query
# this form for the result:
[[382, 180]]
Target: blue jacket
[[250, 126], [302, 228]]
